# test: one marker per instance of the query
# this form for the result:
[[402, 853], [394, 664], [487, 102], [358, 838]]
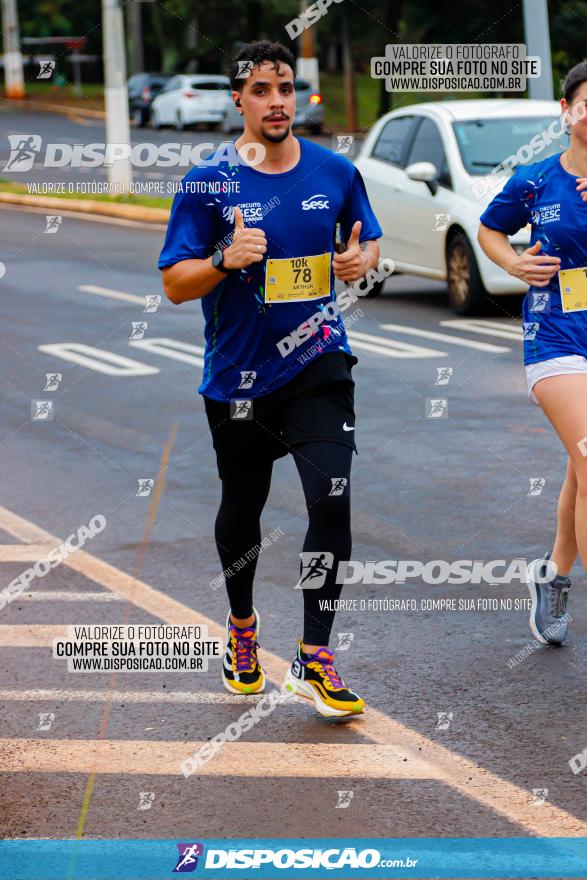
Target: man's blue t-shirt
[[298, 211], [545, 195]]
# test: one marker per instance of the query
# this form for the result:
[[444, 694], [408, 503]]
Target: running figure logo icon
[[23, 151], [344, 641], [443, 375], [42, 410], [53, 223], [247, 379], [444, 719], [436, 408], [441, 222], [188, 857], [338, 485], [145, 487], [241, 409], [46, 719], [539, 302], [537, 484], [53, 380], [530, 329], [152, 302], [540, 795], [47, 68], [138, 329], [344, 800], [146, 799], [344, 144], [315, 567]]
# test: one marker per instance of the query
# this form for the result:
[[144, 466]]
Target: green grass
[[131, 199]]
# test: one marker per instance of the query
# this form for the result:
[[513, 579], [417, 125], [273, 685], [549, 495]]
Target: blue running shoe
[[548, 616]]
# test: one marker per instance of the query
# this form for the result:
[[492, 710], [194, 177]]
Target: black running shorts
[[317, 404]]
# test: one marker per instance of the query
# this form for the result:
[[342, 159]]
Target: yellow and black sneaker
[[241, 672], [315, 678]]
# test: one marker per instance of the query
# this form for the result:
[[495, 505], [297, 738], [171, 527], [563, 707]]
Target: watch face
[[217, 259]]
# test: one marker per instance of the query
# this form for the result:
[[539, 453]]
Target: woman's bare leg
[[565, 545], [564, 401]]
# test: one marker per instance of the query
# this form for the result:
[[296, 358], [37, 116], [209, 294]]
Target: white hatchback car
[[426, 168], [190, 98]]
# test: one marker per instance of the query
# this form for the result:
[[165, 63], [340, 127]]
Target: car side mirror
[[425, 172]]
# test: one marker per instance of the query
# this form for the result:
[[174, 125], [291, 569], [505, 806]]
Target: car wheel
[[466, 293], [179, 123]]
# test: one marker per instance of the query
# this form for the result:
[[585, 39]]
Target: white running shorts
[[573, 363]]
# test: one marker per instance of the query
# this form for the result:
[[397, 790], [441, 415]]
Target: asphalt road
[[423, 489]]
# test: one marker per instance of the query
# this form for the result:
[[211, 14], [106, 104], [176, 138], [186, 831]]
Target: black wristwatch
[[218, 261]]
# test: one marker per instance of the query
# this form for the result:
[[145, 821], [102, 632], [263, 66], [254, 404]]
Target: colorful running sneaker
[[316, 679], [241, 672], [548, 616]]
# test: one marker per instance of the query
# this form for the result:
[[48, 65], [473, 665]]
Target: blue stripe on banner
[[516, 857]]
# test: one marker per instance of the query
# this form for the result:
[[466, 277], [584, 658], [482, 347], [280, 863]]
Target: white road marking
[[172, 348], [462, 774], [236, 759], [98, 359], [486, 328], [109, 293], [24, 552], [54, 695], [390, 347], [30, 635], [64, 596], [444, 337]]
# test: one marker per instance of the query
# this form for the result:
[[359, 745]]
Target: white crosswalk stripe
[[392, 348], [172, 348], [486, 328], [445, 338]]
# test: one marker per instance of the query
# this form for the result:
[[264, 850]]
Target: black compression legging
[[238, 529]]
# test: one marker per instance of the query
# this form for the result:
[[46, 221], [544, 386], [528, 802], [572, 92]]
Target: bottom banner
[[554, 857]]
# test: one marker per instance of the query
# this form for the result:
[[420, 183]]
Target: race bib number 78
[[296, 279]]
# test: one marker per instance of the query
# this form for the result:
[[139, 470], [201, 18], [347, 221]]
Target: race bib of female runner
[[297, 279], [573, 287]]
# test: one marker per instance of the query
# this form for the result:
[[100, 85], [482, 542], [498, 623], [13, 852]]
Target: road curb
[[87, 206], [64, 109]]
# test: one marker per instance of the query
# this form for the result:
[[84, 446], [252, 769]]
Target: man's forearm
[[190, 279]]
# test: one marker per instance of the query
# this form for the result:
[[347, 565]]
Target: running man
[[261, 260], [551, 195]]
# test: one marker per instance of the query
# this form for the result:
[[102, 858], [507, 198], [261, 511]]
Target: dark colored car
[[142, 88]]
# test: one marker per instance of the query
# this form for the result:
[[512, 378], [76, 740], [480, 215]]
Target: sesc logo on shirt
[[543, 214], [316, 203], [252, 212]]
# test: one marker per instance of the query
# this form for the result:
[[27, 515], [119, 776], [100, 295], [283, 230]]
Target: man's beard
[[275, 137]]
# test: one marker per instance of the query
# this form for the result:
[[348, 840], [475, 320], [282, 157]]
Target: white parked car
[[190, 98], [426, 170]]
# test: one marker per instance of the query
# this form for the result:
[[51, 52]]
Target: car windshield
[[485, 143]]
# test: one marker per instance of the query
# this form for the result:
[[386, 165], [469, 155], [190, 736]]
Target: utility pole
[[307, 63], [136, 36], [13, 75], [350, 83], [538, 43], [115, 91]]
